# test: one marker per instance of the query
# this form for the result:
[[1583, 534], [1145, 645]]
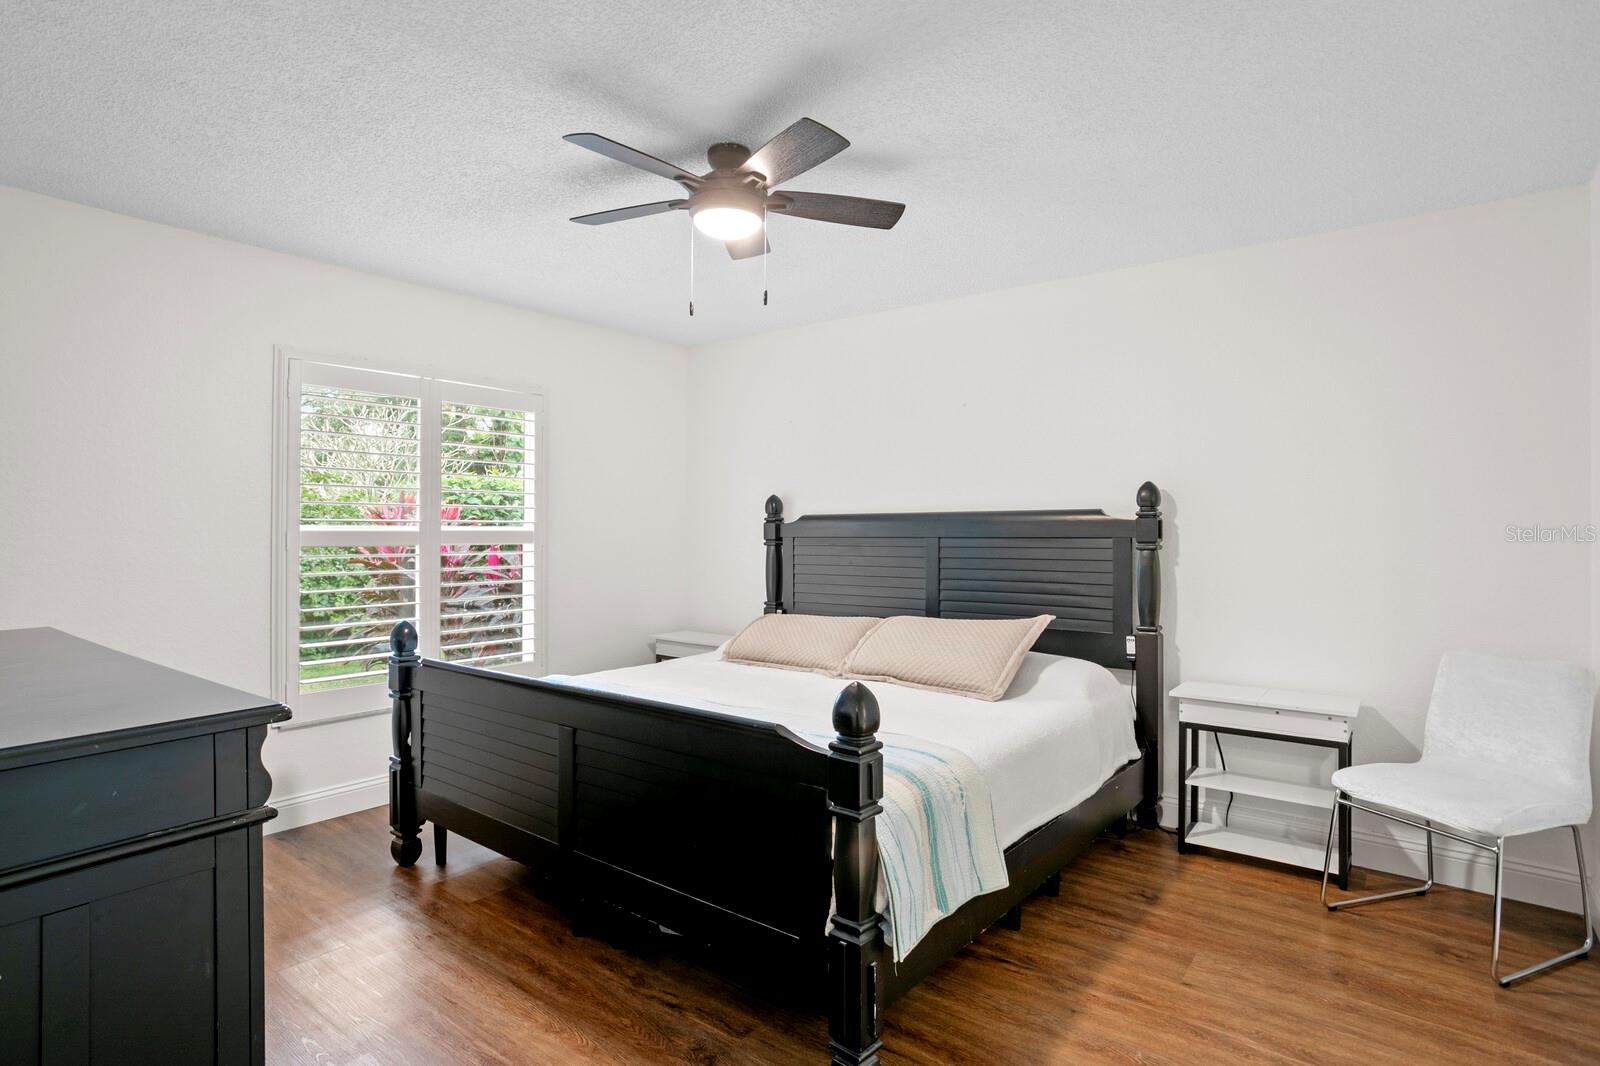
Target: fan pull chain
[[766, 253], [691, 269]]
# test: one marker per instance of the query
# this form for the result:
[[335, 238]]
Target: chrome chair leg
[[1499, 902], [1327, 860], [1327, 856], [1538, 967]]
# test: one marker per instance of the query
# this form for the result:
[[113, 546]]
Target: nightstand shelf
[[1255, 845], [1262, 787], [1308, 718]]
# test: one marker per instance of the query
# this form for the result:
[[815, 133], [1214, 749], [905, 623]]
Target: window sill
[[308, 723]]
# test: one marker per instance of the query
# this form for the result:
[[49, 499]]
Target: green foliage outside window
[[360, 467]]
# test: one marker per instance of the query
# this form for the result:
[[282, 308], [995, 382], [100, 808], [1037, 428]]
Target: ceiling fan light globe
[[726, 223]]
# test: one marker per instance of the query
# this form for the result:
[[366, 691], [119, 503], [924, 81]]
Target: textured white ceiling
[[1031, 140]]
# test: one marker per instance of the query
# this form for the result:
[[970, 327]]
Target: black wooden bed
[[720, 827]]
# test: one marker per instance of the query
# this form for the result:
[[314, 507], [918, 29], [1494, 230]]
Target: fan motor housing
[[735, 192]]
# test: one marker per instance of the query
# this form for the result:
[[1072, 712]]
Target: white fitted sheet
[[1063, 728]]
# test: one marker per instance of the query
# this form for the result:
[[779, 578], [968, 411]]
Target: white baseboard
[[331, 802], [1397, 849]]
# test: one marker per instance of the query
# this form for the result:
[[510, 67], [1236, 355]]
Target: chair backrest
[[1520, 713]]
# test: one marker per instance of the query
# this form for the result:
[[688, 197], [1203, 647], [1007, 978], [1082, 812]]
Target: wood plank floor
[[1142, 958]]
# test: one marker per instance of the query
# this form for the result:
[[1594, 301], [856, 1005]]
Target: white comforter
[[1062, 729]]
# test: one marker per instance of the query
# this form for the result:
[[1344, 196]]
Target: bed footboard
[[713, 826]]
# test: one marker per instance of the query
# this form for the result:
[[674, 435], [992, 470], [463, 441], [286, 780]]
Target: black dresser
[[131, 804]]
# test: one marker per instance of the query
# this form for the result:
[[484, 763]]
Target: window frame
[[289, 372]]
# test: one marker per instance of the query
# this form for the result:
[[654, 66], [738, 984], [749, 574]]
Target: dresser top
[[60, 694], [1277, 699]]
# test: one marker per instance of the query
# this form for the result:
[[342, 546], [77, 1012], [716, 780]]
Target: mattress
[[1064, 727]]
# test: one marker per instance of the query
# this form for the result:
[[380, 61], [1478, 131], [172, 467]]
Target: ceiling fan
[[732, 200]]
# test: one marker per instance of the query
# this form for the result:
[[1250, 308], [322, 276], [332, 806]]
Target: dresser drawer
[[56, 808]]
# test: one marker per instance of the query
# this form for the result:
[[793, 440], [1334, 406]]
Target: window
[[401, 497]]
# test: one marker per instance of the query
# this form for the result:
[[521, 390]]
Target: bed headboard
[[1097, 574]]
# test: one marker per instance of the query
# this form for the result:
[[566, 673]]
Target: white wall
[[1343, 426], [135, 454], [1592, 840]]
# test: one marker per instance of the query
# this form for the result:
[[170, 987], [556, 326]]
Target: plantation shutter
[[486, 601], [407, 498]]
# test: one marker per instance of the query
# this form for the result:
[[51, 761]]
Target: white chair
[[1505, 752]]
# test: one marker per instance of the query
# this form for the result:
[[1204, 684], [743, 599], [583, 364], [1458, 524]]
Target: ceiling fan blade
[[795, 151], [749, 247], [622, 214], [632, 156], [845, 210]]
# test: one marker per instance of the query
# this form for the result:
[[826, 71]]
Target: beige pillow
[[814, 642], [967, 657]]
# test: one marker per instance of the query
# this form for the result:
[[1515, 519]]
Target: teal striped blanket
[[937, 846]]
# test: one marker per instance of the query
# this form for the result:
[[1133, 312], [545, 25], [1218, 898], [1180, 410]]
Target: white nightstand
[[677, 644], [1317, 719]]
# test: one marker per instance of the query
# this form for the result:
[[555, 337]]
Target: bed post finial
[[855, 712], [403, 640], [855, 941], [1149, 689], [772, 534], [404, 826], [1149, 500]]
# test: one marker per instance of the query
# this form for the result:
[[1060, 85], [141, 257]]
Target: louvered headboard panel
[[1086, 582], [876, 576], [1088, 569]]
